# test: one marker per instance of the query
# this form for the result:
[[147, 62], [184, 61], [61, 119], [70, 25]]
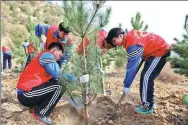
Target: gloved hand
[[70, 77], [84, 78], [126, 90], [42, 44]]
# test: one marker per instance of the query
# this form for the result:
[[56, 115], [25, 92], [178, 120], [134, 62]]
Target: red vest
[[153, 44], [80, 46], [33, 75], [101, 35], [30, 48], [51, 38], [5, 49]]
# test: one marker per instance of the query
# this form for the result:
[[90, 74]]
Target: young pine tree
[[137, 24], [82, 17], [180, 61], [31, 29]]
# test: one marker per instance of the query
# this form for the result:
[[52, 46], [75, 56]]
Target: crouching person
[[37, 86]]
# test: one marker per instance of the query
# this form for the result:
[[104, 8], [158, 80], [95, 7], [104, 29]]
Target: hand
[[42, 44], [70, 77], [84, 78], [63, 41], [126, 90]]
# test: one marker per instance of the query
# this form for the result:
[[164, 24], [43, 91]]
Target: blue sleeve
[[41, 29], [134, 54], [48, 61]]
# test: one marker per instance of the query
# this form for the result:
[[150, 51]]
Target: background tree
[[180, 61], [120, 25], [137, 24], [82, 17], [31, 29]]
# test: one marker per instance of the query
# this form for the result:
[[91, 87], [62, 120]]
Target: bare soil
[[169, 111]]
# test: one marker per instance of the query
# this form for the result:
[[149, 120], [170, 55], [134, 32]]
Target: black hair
[[64, 28], [114, 32], [56, 44]]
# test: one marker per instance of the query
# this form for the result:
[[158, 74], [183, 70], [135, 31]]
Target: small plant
[[17, 50], [31, 30]]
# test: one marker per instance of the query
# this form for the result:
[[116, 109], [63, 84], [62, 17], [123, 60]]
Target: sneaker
[[144, 109], [141, 104], [45, 120]]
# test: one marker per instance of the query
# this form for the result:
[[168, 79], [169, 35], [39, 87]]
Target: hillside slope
[[15, 17]]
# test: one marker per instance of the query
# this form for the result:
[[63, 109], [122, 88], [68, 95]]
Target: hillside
[[15, 17]]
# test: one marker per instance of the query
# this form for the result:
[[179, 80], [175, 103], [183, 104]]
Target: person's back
[[147, 40], [7, 57], [100, 37], [5, 49], [36, 75]]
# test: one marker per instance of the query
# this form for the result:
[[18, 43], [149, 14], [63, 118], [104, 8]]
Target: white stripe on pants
[[43, 91], [146, 78]]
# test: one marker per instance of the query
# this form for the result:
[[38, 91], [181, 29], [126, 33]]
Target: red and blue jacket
[[51, 33], [39, 71], [139, 44]]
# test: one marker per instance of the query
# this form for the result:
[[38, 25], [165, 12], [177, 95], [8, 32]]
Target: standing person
[[56, 34], [7, 57], [25, 45], [153, 49], [100, 37], [37, 86], [31, 52]]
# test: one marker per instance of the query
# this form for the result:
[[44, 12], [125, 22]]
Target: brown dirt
[[170, 110]]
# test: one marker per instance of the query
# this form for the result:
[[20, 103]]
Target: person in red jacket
[[37, 86], [153, 49], [55, 33], [7, 57], [31, 52], [101, 35]]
